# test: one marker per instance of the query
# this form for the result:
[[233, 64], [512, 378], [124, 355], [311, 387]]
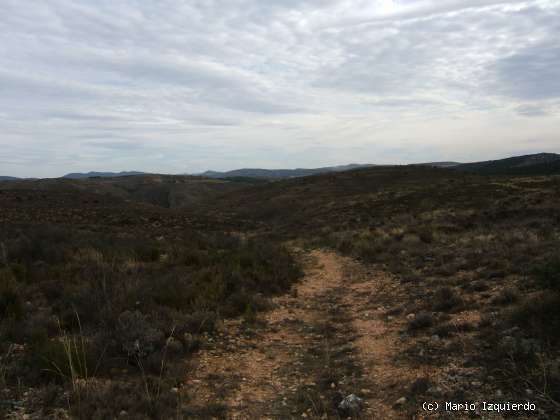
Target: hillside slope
[[537, 164], [169, 191], [281, 173]]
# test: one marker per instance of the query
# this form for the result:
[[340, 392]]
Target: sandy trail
[[256, 372]]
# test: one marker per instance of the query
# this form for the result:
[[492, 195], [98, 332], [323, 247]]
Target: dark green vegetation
[[101, 281], [110, 313], [168, 191], [538, 164]]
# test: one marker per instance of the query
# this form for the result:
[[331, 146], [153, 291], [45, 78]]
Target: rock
[[435, 391], [401, 401], [499, 393], [476, 384], [529, 392], [351, 404], [410, 317]]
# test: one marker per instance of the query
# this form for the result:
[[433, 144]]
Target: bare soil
[[263, 370]]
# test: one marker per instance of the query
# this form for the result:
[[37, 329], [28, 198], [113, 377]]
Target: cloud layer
[[183, 86]]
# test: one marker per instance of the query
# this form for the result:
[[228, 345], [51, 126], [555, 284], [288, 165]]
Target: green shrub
[[506, 296], [10, 300], [539, 316], [64, 358], [548, 274], [446, 299], [421, 321]]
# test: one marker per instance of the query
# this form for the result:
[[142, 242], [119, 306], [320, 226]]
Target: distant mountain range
[[280, 173], [80, 175], [535, 164], [441, 164]]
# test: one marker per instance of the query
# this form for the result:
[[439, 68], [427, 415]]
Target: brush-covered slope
[[280, 173], [537, 164], [170, 191]]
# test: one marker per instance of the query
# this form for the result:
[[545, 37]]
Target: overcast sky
[[177, 86]]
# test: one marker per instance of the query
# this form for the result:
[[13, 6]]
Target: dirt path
[[325, 340]]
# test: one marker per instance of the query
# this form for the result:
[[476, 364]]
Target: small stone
[[499, 393], [410, 317], [351, 404], [529, 391], [476, 384], [333, 385], [123, 413], [401, 401]]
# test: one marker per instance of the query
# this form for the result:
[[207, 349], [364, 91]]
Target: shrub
[[62, 359], [446, 299], [548, 274], [421, 321], [10, 300], [137, 336], [540, 316], [506, 297]]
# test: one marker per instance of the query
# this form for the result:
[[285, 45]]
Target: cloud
[[531, 73], [167, 85], [531, 110]]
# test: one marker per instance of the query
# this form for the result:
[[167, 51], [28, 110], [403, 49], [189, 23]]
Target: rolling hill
[[85, 175], [447, 274], [536, 164], [281, 173]]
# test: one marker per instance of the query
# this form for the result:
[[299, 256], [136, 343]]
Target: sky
[[182, 86]]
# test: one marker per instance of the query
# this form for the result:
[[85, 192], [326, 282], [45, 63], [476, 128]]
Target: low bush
[[421, 321], [134, 305], [446, 299], [11, 305], [540, 317], [506, 296], [548, 274]]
